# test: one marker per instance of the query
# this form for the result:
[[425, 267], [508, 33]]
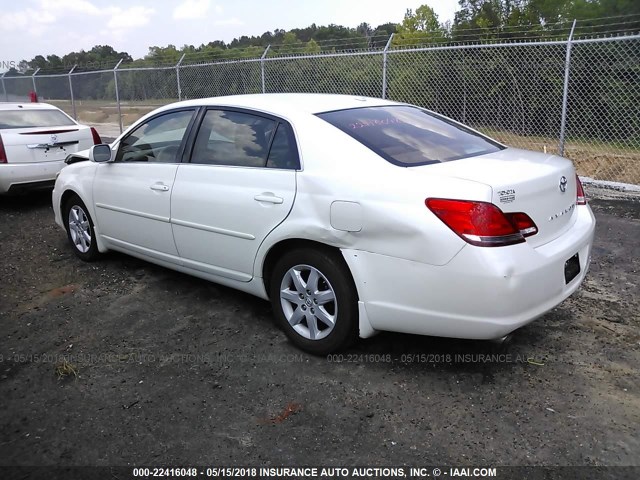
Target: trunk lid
[[541, 185], [45, 144]]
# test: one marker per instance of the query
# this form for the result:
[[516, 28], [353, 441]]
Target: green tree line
[[518, 88]]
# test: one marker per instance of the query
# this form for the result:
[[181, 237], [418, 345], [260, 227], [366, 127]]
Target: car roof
[[26, 106], [288, 103]]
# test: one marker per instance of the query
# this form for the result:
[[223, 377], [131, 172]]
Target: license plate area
[[55, 152], [571, 268]]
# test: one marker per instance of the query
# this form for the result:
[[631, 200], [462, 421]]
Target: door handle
[[160, 187], [268, 198]]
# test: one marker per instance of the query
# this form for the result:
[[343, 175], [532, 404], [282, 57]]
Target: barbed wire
[[549, 25]]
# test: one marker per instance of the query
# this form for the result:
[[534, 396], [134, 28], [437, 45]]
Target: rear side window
[[233, 138], [409, 136], [33, 118], [242, 139]]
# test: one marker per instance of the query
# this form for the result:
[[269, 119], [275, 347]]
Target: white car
[[352, 215], [35, 138]]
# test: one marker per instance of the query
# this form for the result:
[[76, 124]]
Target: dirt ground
[[121, 362]]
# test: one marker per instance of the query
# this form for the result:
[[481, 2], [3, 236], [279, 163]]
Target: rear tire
[[315, 300], [80, 231]]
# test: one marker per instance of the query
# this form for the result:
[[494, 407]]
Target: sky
[[45, 27]]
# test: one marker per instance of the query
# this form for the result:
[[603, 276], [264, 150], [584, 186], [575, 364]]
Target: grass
[[65, 369], [613, 161]]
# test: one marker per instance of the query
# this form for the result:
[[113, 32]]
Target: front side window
[[25, 118], [157, 140], [233, 138], [409, 136]]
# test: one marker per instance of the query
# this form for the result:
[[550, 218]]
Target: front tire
[[315, 300], [80, 231]]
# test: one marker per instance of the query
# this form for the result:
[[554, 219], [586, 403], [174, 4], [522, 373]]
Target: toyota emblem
[[54, 138], [563, 183]]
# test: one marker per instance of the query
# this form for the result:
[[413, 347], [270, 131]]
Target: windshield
[[409, 136], [33, 118]]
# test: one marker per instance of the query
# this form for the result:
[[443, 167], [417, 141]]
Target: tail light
[[481, 223], [522, 223], [581, 198], [96, 137], [3, 154]]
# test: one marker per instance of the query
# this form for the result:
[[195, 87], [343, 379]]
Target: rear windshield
[[409, 136], [33, 118]]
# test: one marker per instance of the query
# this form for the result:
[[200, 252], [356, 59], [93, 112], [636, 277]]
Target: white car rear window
[[409, 136], [33, 118]]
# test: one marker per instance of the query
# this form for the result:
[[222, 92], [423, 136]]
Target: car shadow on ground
[[25, 202], [412, 351]]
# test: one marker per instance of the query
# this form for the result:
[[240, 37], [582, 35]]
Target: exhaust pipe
[[503, 341]]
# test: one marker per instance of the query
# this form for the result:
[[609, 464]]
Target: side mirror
[[100, 153]]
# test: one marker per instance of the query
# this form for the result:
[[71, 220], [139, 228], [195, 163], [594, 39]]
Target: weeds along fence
[[576, 97]]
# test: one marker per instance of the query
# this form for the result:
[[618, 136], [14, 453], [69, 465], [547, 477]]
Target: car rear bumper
[[482, 293], [19, 177]]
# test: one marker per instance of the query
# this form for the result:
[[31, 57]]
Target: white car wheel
[[80, 231], [315, 300], [308, 302]]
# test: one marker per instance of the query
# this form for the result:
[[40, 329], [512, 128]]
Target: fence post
[[73, 102], [464, 90], [384, 66], [262, 66], [115, 81], [565, 92], [6, 97], [178, 76], [33, 79]]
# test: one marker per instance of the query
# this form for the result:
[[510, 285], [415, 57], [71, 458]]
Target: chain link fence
[[141, 91], [514, 94], [221, 78], [93, 101], [578, 98], [603, 120], [16, 89], [353, 74], [55, 89]]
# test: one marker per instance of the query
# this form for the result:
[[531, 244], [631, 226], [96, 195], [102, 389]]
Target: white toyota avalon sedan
[[35, 138], [351, 215]]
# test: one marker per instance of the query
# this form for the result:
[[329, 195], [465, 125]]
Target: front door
[[133, 193]]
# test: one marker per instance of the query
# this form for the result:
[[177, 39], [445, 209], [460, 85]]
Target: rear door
[[33, 135], [239, 185], [132, 194]]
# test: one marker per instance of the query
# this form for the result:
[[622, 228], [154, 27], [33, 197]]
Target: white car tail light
[[96, 137], [581, 198], [481, 223], [3, 154]]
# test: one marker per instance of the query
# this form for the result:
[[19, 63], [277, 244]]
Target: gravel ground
[[168, 369]]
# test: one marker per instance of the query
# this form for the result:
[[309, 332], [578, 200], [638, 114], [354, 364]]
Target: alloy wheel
[[79, 229], [308, 302]]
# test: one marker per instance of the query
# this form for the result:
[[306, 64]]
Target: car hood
[[81, 156]]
